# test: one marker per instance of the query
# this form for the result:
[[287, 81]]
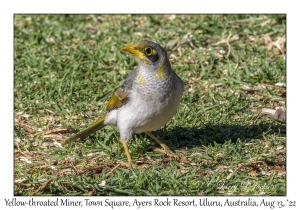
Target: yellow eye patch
[[142, 51], [149, 51]]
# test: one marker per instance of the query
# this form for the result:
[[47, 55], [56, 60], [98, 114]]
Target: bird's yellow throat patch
[[161, 72], [140, 79]]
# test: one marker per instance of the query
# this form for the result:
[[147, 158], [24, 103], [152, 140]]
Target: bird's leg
[[166, 150], [125, 145]]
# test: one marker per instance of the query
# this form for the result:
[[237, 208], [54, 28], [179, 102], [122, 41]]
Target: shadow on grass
[[180, 137]]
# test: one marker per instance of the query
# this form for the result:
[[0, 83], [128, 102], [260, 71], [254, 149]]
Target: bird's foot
[[128, 165], [166, 150]]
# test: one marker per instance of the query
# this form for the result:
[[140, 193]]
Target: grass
[[66, 67]]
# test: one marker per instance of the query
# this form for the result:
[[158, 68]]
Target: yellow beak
[[131, 49], [136, 53]]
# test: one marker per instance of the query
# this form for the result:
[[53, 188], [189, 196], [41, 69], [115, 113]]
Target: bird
[[146, 101]]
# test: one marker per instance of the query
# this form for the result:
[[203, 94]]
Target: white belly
[[140, 115]]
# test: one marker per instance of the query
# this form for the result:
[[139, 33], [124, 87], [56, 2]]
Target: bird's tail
[[87, 131]]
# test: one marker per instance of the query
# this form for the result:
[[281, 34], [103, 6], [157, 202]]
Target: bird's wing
[[120, 95], [118, 99]]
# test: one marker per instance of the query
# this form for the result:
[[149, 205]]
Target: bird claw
[[128, 165], [169, 153]]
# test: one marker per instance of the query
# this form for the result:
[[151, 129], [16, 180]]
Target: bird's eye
[[148, 51]]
